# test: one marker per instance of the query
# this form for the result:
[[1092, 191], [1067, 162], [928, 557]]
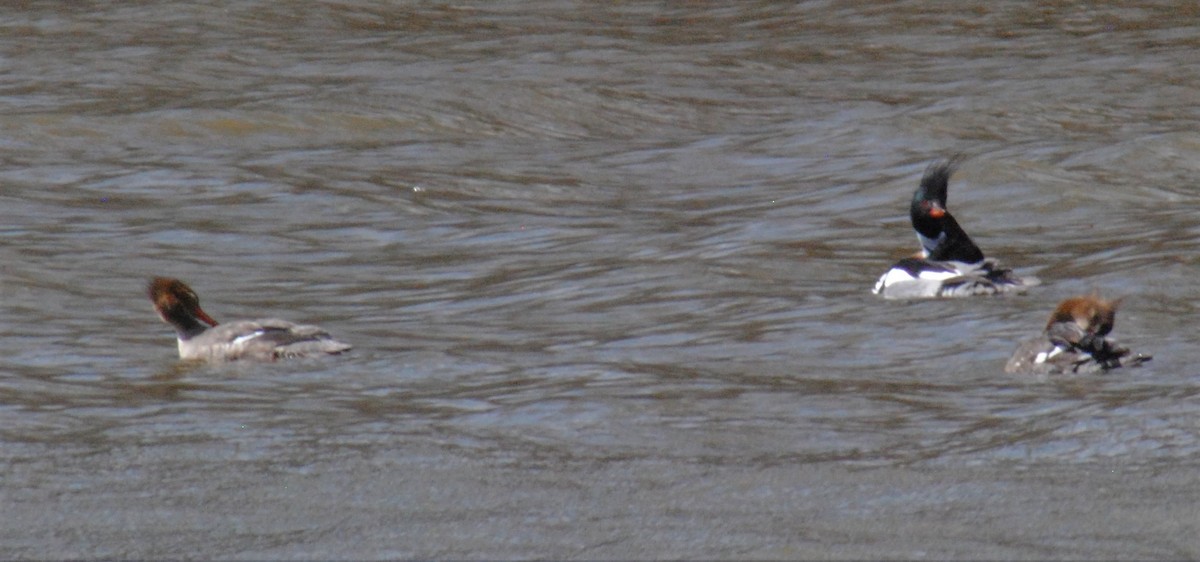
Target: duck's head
[[176, 303], [1091, 313], [928, 210]]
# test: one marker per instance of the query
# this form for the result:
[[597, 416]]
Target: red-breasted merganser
[[1074, 341], [262, 340], [949, 263]]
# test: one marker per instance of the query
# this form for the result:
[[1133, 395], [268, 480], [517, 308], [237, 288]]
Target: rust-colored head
[[1092, 313], [173, 299]]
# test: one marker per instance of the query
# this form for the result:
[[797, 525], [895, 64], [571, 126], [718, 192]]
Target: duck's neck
[[186, 325], [953, 244]]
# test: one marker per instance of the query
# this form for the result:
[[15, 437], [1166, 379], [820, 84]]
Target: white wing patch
[[1047, 355], [932, 275], [893, 276], [898, 275], [245, 338]]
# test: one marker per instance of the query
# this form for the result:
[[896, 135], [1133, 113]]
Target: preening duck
[[1075, 341], [201, 337], [949, 263]]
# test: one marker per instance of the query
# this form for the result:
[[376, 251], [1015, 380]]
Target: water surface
[[606, 268]]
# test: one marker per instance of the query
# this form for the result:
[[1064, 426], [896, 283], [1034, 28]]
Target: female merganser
[[1074, 341], [263, 340], [949, 263]]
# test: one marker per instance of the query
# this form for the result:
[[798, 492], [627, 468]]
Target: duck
[[202, 338], [1075, 341], [949, 263]]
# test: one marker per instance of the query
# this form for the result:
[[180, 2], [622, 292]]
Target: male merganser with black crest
[[949, 263], [1074, 341], [262, 340]]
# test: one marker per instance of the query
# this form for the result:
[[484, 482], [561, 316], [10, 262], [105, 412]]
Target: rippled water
[[606, 267]]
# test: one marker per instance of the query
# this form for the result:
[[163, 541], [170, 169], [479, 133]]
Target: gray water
[[606, 267]]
